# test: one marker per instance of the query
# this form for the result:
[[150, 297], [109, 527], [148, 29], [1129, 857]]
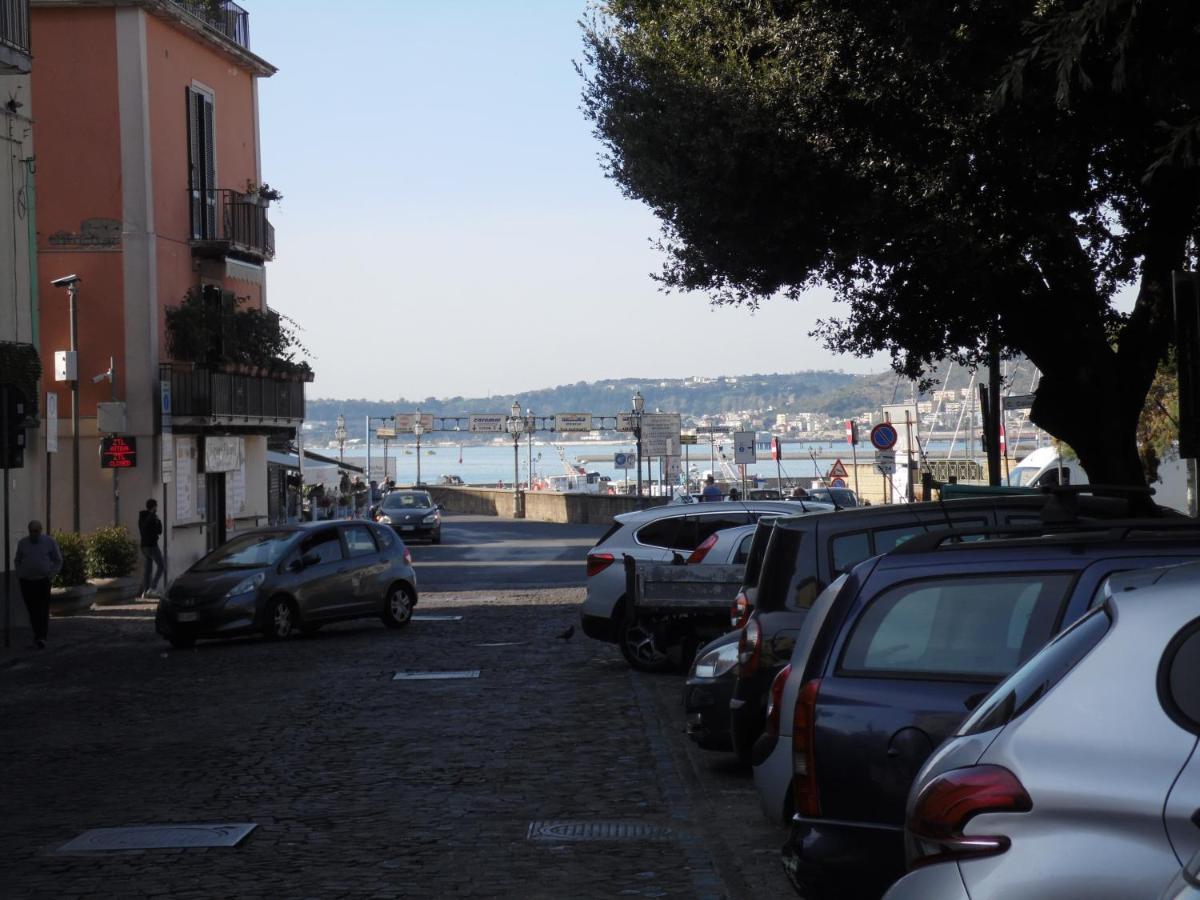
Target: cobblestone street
[[361, 785]]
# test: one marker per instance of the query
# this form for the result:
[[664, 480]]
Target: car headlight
[[383, 520], [716, 663], [246, 585], [432, 517]]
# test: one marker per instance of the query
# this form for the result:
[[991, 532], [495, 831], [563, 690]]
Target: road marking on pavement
[[583, 830], [503, 644], [419, 618], [159, 837], [435, 676]]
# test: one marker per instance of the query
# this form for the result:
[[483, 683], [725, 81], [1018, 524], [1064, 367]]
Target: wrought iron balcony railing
[[224, 15], [14, 35], [208, 396], [228, 222]]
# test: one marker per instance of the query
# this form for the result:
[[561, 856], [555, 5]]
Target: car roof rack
[[1092, 529]]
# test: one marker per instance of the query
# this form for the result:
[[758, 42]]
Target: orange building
[[148, 172]]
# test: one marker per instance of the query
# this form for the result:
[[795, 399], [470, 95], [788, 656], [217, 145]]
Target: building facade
[[151, 193]]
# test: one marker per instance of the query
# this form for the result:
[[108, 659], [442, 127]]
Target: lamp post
[[516, 428], [636, 418], [530, 428], [339, 435], [71, 282], [418, 430]]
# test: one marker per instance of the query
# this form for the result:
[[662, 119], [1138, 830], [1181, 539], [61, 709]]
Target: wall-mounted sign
[[487, 423], [51, 422], [660, 434], [118, 452], [573, 422], [223, 453]]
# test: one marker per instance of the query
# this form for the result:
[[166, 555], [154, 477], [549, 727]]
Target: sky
[[447, 228]]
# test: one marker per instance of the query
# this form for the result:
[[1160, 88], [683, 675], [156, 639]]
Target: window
[[386, 538], [404, 500], [202, 164], [705, 526], [324, 545], [1037, 677], [743, 550], [249, 551], [848, 550], [780, 563], [660, 533], [359, 541], [977, 626]]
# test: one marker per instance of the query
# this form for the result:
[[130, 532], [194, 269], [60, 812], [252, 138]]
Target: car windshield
[[249, 551], [405, 500], [1023, 476]]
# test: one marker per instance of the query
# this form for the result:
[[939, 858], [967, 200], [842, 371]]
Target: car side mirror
[[442, 507], [295, 565]]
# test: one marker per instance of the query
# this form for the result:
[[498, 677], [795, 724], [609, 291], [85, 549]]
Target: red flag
[[851, 433]]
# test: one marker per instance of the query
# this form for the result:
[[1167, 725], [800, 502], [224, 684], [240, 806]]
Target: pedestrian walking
[[38, 560], [711, 492], [150, 527]]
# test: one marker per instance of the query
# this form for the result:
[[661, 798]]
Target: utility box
[[111, 418], [66, 366]]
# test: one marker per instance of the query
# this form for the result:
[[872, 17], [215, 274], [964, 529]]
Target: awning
[[292, 461]]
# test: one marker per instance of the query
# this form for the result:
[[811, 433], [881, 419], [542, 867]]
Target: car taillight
[[805, 798], [775, 699], [702, 551], [749, 649], [598, 562], [407, 556], [947, 803], [739, 612]]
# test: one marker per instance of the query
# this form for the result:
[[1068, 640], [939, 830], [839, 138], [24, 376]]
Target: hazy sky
[[447, 228]]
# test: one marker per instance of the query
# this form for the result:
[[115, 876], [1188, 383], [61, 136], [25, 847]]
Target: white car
[[658, 535], [1079, 775]]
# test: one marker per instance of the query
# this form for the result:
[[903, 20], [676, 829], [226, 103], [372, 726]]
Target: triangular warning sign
[[837, 470]]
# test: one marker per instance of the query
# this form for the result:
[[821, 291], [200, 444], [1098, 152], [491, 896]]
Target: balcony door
[[214, 496], [202, 164]]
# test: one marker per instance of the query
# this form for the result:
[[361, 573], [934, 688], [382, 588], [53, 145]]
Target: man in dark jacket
[[150, 527], [38, 560]]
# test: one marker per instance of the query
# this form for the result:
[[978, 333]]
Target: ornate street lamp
[[636, 418], [418, 430], [516, 427], [339, 434], [530, 428]]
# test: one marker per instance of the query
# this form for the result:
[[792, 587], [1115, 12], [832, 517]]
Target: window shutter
[[194, 181]]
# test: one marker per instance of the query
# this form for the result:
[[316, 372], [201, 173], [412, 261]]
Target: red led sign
[[118, 452]]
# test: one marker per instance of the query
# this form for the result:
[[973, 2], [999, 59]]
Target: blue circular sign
[[838, 482], [621, 460], [883, 436]]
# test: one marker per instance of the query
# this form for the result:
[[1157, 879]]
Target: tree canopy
[[957, 172]]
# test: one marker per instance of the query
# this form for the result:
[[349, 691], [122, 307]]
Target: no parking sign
[[883, 436]]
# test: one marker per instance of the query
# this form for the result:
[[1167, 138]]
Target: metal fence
[[204, 393], [14, 24], [224, 15], [226, 215]]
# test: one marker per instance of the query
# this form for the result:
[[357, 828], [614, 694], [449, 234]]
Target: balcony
[[202, 397], [14, 37], [223, 15], [228, 223]]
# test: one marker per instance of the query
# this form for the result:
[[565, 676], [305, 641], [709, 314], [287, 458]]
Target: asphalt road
[[480, 553]]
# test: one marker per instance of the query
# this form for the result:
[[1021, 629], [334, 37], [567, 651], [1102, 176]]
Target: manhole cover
[[576, 830], [435, 676], [421, 618], [158, 837]]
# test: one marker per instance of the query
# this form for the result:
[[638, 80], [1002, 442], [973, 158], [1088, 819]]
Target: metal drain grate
[[423, 618], [581, 830], [435, 676], [159, 837]]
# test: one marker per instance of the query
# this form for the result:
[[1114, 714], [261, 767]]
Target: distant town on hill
[[823, 395]]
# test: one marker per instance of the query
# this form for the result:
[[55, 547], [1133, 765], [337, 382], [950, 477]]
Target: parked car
[[842, 498], [1078, 776], [911, 642], [764, 494], [286, 578], [807, 552], [412, 513], [709, 685], [1186, 883], [656, 535]]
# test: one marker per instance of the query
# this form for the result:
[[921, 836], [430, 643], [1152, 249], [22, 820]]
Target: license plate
[[408, 527], [188, 616]]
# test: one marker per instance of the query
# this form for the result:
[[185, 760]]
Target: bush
[[74, 554], [111, 553]]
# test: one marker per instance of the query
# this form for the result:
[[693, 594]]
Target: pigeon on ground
[[566, 635]]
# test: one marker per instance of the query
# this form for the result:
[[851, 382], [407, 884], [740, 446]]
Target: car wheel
[[280, 619], [641, 649], [397, 606], [182, 641]]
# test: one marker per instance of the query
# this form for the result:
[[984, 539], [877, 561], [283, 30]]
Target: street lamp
[[636, 418], [418, 430], [70, 282], [339, 435], [530, 428], [516, 427]]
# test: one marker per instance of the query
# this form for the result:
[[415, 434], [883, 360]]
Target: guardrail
[[224, 15]]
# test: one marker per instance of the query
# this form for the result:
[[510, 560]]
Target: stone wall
[[541, 506]]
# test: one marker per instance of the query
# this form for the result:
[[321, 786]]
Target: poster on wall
[[224, 453], [235, 492], [185, 481]]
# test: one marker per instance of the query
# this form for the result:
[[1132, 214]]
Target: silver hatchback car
[[1078, 776]]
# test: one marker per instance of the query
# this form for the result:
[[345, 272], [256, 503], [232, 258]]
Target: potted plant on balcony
[[111, 557], [262, 194], [70, 591]]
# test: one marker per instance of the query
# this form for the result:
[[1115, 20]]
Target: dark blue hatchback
[[912, 642]]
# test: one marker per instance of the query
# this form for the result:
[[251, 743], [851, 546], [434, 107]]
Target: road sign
[[687, 439], [118, 451], [625, 422], [51, 422], [385, 433], [622, 460], [852, 432], [837, 470], [405, 421], [838, 482], [1017, 401], [883, 436], [885, 461], [660, 433], [486, 423], [573, 422], [744, 451]]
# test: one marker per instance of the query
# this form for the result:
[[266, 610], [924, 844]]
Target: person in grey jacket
[[38, 560]]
